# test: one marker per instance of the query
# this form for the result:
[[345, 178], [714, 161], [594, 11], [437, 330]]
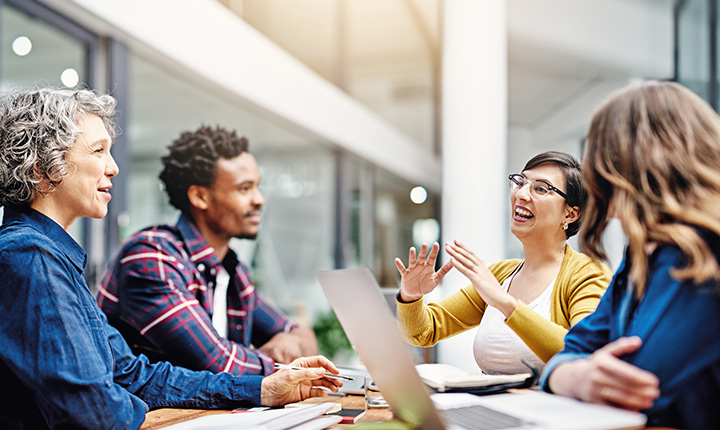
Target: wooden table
[[160, 418]]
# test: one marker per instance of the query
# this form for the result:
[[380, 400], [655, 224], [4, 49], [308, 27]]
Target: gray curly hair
[[37, 128]]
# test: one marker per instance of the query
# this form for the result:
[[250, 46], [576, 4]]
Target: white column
[[475, 202]]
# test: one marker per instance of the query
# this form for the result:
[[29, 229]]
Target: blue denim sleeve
[[591, 333], [53, 342], [164, 385], [554, 362]]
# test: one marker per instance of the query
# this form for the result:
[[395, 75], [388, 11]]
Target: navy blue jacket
[[679, 324]]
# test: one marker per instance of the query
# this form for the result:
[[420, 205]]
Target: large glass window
[[35, 53], [296, 237], [693, 50], [400, 223]]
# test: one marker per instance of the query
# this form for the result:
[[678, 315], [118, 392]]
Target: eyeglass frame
[[531, 181]]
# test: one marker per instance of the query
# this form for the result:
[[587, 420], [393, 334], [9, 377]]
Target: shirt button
[[108, 384], [201, 267]]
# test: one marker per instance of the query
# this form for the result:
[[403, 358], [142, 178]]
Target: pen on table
[[327, 375]]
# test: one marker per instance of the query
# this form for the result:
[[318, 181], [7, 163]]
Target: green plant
[[330, 335]]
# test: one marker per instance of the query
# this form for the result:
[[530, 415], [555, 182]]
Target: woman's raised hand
[[480, 276], [420, 277]]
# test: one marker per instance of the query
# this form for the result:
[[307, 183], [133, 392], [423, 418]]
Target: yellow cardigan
[[576, 293]]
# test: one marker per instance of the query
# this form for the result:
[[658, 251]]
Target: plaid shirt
[[159, 294]]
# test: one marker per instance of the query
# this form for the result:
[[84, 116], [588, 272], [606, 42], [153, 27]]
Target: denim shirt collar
[[45, 225]]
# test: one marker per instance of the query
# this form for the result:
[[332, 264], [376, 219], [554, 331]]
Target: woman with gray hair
[[61, 363]]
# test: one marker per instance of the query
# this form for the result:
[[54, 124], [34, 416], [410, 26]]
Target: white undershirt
[[497, 348], [219, 318]]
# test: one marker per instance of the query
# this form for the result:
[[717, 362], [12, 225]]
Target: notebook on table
[[358, 303], [445, 378]]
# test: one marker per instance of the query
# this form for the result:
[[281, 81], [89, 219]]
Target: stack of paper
[[303, 418]]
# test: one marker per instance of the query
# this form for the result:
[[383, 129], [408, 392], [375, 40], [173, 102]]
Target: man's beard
[[248, 236]]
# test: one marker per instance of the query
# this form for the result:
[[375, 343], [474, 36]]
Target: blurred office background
[[378, 124]]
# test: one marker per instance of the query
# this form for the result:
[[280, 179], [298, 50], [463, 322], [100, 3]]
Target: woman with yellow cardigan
[[522, 308]]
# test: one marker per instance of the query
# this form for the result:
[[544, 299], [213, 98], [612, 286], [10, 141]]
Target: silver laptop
[[358, 303]]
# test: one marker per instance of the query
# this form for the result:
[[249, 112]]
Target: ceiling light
[[69, 77], [418, 195], [22, 46]]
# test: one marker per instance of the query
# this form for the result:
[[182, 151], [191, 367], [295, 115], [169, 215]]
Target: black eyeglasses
[[538, 187]]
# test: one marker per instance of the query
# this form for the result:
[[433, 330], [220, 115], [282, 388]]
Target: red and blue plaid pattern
[[159, 294]]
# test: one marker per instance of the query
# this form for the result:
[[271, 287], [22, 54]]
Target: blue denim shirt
[[61, 364], [680, 329]]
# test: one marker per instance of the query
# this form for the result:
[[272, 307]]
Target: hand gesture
[[420, 277], [288, 386], [480, 276], [606, 379]]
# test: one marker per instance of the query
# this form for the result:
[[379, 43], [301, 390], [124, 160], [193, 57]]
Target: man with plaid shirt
[[179, 293]]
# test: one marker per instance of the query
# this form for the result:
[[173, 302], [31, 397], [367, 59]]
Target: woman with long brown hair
[[653, 162]]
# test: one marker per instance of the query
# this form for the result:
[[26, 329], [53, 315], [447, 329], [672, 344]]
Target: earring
[[564, 226]]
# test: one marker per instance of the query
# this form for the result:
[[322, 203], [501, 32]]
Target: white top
[[497, 348], [219, 317]]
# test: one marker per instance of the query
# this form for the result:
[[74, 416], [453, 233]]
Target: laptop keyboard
[[478, 417]]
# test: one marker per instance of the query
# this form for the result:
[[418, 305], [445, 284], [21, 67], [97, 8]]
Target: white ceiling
[[557, 49], [382, 51]]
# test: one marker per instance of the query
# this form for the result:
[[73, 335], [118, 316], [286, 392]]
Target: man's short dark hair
[[192, 160]]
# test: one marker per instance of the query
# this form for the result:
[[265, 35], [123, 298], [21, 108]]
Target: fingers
[[622, 370], [316, 361], [460, 258], [462, 250], [283, 347], [423, 253], [423, 257], [400, 266], [318, 392], [464, 262], [432, 256], [295, 376], [633, 399], [620, 383], [283, 355], [412, 257], [622, 346], [314, 375], [332, 384], [444, 269]]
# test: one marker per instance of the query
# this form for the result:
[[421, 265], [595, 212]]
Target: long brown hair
[[653, 154]]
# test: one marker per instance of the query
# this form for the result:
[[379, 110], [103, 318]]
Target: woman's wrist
[[499, 299], [506, 304], [403, 297], [563, 377]]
